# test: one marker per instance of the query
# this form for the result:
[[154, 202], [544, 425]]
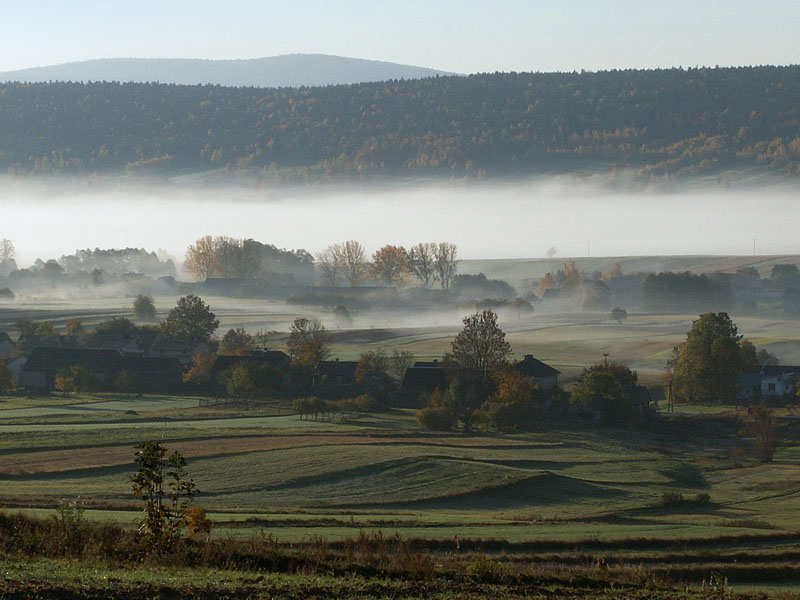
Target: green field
[[567, 486]]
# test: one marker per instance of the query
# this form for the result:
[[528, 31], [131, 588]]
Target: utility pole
[[588, 253], [754, 246]]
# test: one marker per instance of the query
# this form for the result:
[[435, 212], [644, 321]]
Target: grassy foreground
[[48, 558]]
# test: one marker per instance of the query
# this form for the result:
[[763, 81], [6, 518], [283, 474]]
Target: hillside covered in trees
[[657, 123]]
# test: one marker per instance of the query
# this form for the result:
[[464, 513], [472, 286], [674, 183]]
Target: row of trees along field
[[662, 122], [347, 262]]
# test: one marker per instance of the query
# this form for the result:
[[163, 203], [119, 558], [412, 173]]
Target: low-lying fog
[[518, 220]]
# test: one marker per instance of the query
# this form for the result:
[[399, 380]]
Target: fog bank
[[516, 220]]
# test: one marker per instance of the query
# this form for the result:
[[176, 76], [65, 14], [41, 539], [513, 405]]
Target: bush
[[144, 307], [361, 404], [310, 406], [437, 419]]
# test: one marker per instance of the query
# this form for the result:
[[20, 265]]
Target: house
[[543, 375], [778, 385], [336, 377], [40, 370], [274, 358], [150, 374], [6, 345], [183, 351], [421, 379]]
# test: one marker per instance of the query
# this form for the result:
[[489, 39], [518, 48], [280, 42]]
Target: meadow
[[568, 495]]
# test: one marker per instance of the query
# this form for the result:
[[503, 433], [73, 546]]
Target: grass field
[[532, 497]]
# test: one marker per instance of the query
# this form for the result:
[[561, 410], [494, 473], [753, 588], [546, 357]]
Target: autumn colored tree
[[74, 326], [225, 257], [64, 382], [389, 264], [512, 406], [547, 282], [309, 342], [199, 372], [201, 258], [765, 431]]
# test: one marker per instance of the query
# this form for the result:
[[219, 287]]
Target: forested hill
[[658, 123]]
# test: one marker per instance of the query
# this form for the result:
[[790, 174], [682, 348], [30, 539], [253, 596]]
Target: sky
[[464, 36]]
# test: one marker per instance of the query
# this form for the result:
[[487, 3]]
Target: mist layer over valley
[[575, 216]]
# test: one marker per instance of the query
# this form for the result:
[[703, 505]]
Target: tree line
[[339, 264], [660, 123], [429, 262]]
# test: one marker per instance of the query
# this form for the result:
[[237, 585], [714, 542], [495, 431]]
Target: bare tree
[[389, 264], [354, 261], [422, 263], [551, 252], [330, 263], [445, 263], [7, 250], [7, 254]]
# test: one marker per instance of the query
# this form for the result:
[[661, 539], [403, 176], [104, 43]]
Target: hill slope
[[658, 124], [291, 70]]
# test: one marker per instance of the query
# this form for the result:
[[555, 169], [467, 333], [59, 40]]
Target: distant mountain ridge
[[290, 70], [652, 125]]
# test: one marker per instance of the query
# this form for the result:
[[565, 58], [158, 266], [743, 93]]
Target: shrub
[[437, 419]]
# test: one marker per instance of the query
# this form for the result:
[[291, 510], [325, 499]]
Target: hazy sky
[[463, 36]]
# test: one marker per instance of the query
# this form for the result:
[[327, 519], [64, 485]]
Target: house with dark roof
[[150, 374], [543, 375], [274, 358], [181, 350], [420, 380], [40, 370], [336, 378]]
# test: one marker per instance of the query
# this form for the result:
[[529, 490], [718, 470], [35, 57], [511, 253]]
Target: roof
[[343, 368], [417, 380], [152, 366], [532, 367], [274, 358], [52, 359], [432, 364], [773, 370]]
